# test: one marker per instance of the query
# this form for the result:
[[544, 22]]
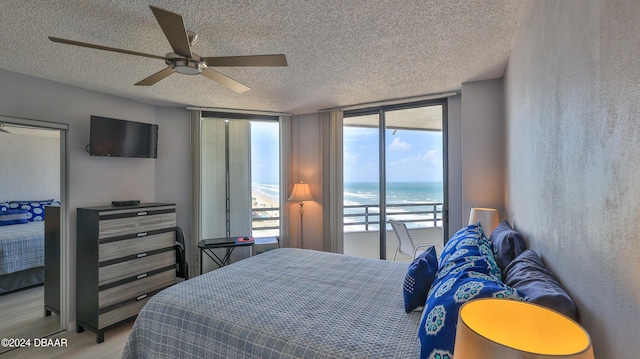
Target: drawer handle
[[143, 234], [142, 213], [141, 275], [141, 255], [141, 297]]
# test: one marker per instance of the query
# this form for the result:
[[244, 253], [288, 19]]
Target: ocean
[[412, 202], [360, 193], [268, 190], [366, 193], [406, 201]]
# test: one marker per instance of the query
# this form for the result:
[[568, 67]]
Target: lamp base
[[301, 225]]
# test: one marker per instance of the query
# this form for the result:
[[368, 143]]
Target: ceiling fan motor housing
[[185, 66]]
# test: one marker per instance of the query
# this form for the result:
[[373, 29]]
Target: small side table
[[207, 248]]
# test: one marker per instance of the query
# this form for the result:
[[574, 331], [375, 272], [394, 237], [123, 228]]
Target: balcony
[[265, 221], [358, 218], [362, 225]]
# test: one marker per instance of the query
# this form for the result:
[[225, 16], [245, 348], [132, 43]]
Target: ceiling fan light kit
[[182, 60]]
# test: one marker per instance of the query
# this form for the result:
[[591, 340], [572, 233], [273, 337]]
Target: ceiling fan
[[182, 60]]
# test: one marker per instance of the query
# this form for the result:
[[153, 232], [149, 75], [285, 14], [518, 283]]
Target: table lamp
[[301, 193], [488, 217], [510, 329]]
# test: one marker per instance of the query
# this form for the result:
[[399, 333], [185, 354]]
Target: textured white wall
[[572, 91], [306, 168], [29, 167], [454, 161], [482, 147], [173, 167]]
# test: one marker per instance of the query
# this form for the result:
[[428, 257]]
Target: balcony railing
[[265, 221], [367, 217], [361, 217]]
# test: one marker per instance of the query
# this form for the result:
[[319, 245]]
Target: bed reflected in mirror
[[29, 268]]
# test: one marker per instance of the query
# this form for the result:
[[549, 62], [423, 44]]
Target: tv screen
[[120, 138]]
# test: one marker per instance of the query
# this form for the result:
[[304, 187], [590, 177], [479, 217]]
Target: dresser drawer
[[126, 309], [136, 245], [138, 264], [121, 313], [120, 224], [139, 285]]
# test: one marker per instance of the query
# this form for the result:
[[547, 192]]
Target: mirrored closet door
[[32, 203]]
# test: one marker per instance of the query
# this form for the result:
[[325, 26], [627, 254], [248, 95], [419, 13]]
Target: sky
[[265, 151], [412, 156]]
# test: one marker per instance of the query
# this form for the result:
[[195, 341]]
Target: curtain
[[196, 233], [225, 181], [285, 180], [332, 181]]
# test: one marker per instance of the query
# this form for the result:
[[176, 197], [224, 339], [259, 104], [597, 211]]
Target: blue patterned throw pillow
[[417, 281], [468, 270], [12, 216], [466, 245], [35, 209], [437, 332]]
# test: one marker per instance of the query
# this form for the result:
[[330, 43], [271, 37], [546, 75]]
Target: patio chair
[[406, 244]]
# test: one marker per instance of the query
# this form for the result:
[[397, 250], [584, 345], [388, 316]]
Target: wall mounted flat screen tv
[[120, 138]]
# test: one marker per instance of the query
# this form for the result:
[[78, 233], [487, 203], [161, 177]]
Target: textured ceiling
[[339, 52]]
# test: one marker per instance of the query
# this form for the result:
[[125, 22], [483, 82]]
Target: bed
[[22, 243], [285, 303], [294, 303], [21, 256]]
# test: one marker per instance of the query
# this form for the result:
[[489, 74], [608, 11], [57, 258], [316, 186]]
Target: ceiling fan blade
[[153, 79], [224, 80], [255, 60], [100, 47], [173, 28]]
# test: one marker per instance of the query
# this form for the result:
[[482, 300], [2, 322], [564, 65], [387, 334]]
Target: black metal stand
[[229, 247]]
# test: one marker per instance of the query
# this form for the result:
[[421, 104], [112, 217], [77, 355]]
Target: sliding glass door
[[361, 173], [393, 170]]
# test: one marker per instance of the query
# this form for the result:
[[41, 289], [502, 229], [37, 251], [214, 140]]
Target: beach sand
[[261, 200]]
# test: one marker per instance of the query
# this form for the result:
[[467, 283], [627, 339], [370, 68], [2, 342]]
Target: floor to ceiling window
[[265, 180], [393, 159], [240, 184]]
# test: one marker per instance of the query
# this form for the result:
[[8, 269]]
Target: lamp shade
[[300, 193], [510, 329], [488, 217]]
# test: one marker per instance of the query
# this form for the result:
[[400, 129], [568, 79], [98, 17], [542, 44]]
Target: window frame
[[381, 110], [197, 115]]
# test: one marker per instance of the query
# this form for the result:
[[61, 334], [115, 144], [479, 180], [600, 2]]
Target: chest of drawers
[[125, 255]]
